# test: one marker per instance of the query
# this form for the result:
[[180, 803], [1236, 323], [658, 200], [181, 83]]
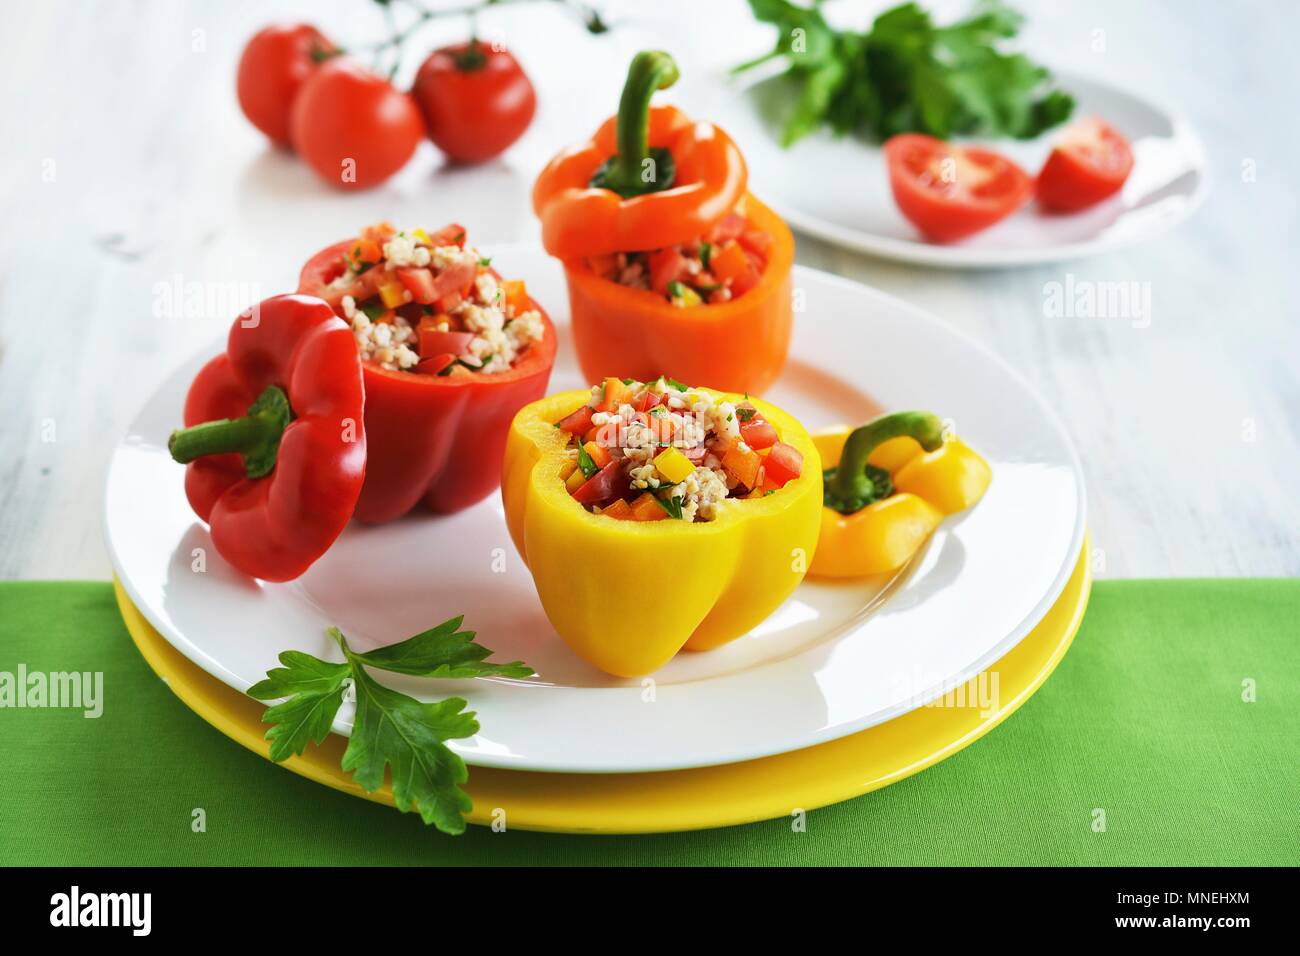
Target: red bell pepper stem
[[255, 436], [651, 70], [850, 486]]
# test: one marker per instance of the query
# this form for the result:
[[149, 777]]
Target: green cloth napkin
[[1143, 721]]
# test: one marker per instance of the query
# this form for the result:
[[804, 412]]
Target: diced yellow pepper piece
[[687, 297], [393, 294], [673, 465], [422, 236]]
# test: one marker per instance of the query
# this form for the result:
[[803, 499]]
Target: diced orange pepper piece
[[599, 454], [516, 294], [647, 508], [620, 509], [742, 465], [730, 263], [616, 394]]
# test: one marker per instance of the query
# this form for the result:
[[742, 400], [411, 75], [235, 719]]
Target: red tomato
[[352, 127], [433, 342], [418, 282], [578, 422], [950, 192], [757, 433], [610, 482], [783, 463], [1089, 164], [273, 66], [475, 98], [666, 265]]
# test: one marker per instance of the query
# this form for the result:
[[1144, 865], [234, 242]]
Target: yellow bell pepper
[[628, 595], [877, 517]]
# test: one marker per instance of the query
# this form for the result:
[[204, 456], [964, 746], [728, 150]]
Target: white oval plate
[[834, 659], [837, 188]]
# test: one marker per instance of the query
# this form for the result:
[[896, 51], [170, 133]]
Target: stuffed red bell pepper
[[274, 437], [450, 351]]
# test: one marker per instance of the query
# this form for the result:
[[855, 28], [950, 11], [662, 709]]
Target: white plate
[[834, 659], [837, 188]]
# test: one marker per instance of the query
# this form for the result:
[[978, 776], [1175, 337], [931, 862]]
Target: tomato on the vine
[[475, 98], [352, 126], [272, 68]]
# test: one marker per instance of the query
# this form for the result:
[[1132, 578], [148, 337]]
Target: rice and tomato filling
[[646, 451], [430, 303], [718, 267]]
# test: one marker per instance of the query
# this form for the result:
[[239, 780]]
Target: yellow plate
[[680, 799]]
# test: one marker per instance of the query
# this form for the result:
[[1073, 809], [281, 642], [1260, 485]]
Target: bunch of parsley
[[908, 75], [390, 730]]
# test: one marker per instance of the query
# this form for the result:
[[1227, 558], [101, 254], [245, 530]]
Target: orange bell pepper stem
[[708, 177]]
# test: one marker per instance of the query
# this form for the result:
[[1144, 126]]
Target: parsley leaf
[[671, 505], [908, 74], [314, 689], [392, 733], [585, 462], [442, 651]]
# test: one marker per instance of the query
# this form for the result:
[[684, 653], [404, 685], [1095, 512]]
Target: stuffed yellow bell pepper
[[888, 485], [656, 517]]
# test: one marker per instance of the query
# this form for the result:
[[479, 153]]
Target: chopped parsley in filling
[[429, 303], [647, 451]]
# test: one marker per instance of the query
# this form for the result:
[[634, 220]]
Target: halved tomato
[[950, 192], [1090, 163]]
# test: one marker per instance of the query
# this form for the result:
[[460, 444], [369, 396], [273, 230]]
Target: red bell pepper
[[274, 437], [433, 439]]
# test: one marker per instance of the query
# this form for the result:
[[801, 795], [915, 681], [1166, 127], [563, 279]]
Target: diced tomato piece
[[783, 463], [610, 482], [731, 226], [645, 400], [759, 243], [576, 422], [516, 295], [449, 235], [456, 278], [661, 426], [758, 433], [434, 364], [666, 265], [620, 509], [742, 465], [616, 394], [599, 453], [647, 508], [434, 342], [449, 302], [418, 282]]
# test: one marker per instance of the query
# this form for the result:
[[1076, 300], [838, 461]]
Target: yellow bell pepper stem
[[628, 595], [850, 486]]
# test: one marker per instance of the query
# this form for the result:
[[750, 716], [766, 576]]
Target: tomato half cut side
[[950, 192], [1090, 163]]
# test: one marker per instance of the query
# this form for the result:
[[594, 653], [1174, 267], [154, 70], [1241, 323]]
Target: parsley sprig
[[908, 74], [390, 730]]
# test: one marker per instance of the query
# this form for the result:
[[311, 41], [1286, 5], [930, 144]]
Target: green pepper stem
[[255, 436], [651, 70], [850, 487]]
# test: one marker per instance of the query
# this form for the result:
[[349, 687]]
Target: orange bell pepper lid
[[651, 177]]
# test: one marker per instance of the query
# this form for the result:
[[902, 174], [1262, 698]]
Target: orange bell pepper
[[652, 178]]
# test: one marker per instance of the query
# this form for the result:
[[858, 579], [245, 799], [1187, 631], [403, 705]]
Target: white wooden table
[[140, 212]]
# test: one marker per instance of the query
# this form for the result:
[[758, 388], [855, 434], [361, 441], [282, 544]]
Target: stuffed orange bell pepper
[[656, 517], [888, 486], [450, 351], [662, 244]]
